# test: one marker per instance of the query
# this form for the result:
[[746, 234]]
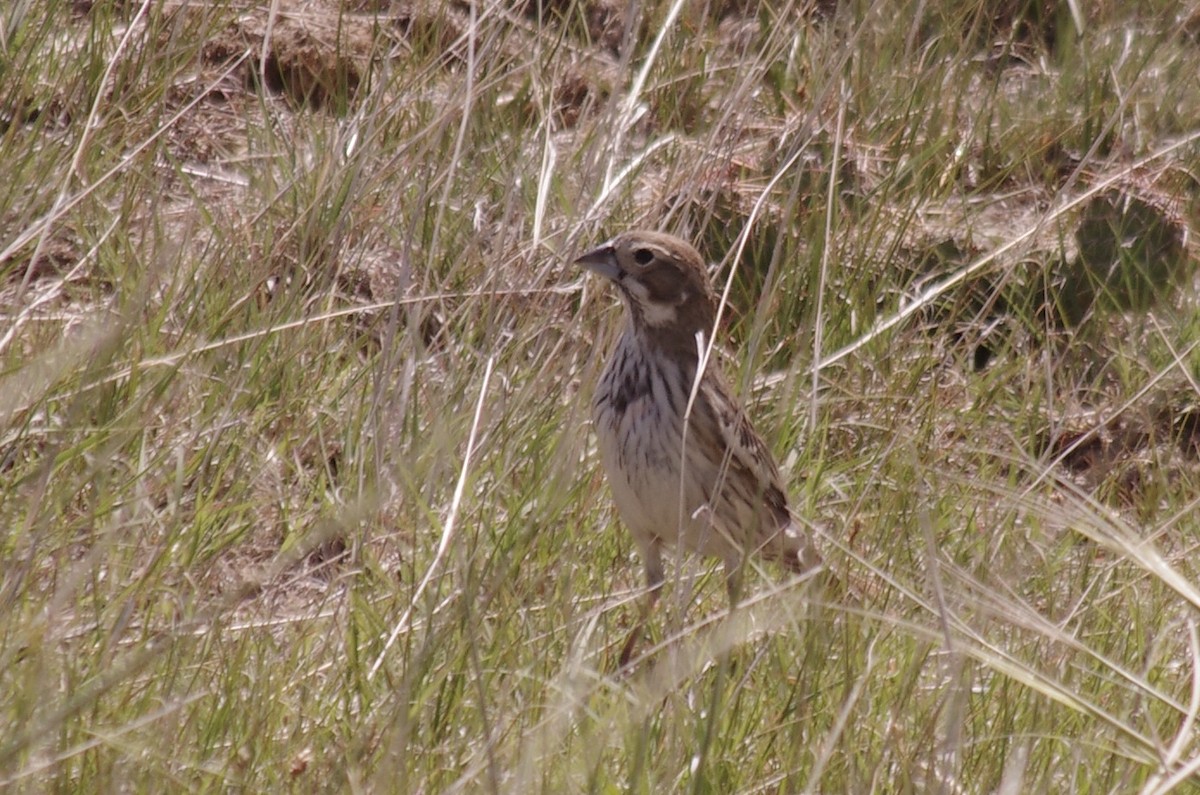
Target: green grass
[[297, 488]]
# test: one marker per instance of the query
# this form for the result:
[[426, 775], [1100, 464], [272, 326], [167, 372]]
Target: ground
[[297, 486]]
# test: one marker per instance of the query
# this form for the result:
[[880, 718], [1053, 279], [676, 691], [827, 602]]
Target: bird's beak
[[602, 260]]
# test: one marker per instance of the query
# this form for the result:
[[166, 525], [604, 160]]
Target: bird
[[685, 466]]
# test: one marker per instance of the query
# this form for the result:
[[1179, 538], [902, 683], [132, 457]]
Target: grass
[[297, 488]]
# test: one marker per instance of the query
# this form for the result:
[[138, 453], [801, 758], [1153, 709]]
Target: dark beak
[[602, 260]]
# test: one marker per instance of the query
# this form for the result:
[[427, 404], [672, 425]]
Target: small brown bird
[[685, 466]]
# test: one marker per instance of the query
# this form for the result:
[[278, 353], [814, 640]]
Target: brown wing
[[749, 495], [748, 471]]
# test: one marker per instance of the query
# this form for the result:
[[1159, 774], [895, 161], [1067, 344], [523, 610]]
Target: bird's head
[[663, 282]]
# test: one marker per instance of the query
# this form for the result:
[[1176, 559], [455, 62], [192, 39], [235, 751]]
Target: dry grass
[[296, 483]]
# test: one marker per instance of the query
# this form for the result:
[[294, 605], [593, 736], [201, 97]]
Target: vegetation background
[[297, 489]]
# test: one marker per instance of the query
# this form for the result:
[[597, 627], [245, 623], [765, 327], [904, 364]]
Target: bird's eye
[[643, 256]]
